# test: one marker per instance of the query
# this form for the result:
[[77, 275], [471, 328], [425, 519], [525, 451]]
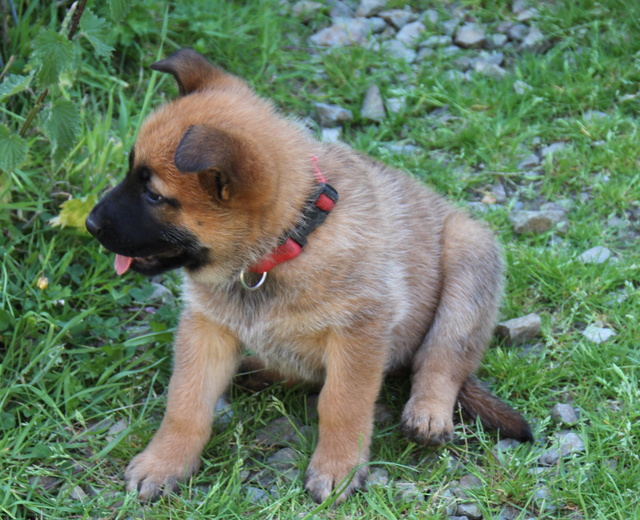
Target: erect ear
[[191, 70], [214, 155]]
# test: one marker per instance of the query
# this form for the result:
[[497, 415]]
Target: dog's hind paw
[[321, 480], [426, 425]]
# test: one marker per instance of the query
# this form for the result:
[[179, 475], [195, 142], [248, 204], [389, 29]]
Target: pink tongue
[[122, 264]]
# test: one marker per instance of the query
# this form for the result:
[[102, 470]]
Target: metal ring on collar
[[252, 287]]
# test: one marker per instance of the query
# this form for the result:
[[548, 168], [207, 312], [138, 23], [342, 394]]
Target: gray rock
[[470, 35], [305, 10], [424, 53], [340, 10], [595, 255], [470, 481], [77, 493], [564, 414], [463, 63], [594, 115], [518, 32], [565, 444], [499, 192], [256, 495], [509, 513], [533, 40], [520, 87], [378, 25], [449, 27], [488, 69], [223, 413], [527, 15], [408, 492], [398, 17], [378, 477], [373, 106], [470, 510], [161, 293], [496, 41], [538, 221], [396, 105], [331, 115], [518, 6], [506, 445], [330, 135], [542, 499], [519, 330], [597, 334], [369, 8], [411, 33], [117, 428], [553, 148], [42, 483], [400, 50], [431, 16], [530, 161], [347, 31], [402, 148], [281, 432]]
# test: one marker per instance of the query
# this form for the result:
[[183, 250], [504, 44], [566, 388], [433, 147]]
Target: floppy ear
[[191, 70], [215, 156]]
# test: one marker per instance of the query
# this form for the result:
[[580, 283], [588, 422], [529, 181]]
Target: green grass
[[91, 349]]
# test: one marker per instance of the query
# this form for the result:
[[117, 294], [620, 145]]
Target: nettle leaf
[[62, 125], [119, 9], [13, 149], [74, 212], [97, 31], [55, 54], [14, 84]]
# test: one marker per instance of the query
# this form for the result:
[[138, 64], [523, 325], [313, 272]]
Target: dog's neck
[[314, 213]]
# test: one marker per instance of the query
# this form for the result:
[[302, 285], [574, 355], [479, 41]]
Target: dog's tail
[[477, 401]]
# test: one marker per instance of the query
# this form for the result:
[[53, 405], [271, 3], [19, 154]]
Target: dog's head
[[205, 184]]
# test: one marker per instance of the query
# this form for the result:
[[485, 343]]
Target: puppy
[[330, 266]]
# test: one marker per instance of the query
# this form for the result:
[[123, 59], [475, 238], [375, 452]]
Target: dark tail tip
[[477, 401]]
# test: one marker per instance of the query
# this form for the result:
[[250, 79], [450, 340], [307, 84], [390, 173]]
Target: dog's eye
[[152, 195]]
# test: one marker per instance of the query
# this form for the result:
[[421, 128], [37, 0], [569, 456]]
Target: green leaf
[[55, 54], [97, 31], [74, 212], [63, 124], [14, 84], [13, 149], [119, 9]]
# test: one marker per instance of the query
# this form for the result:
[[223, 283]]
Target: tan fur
[[395, 277]]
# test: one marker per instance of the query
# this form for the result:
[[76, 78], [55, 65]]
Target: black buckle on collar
[[312, 214]]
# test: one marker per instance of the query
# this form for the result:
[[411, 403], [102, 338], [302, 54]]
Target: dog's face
[[200, 191]]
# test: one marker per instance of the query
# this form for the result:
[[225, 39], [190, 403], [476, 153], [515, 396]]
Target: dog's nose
[[93, 226]]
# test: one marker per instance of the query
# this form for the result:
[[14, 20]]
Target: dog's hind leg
[[471, 270]]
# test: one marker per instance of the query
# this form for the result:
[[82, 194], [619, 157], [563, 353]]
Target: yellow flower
[[43, 282]]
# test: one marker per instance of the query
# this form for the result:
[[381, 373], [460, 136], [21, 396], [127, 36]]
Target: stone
[[449, 27], [378, 477], [223, 413], [469, 481], [256, 495], [470, 510], [340, 10], [117, 428], [527, 15], [435, 41], [347, 31], [280, 432], [565, 444], [411, 33], [594, 115], [533, 40], [519, 6], [331, 115], [520, 87], [430, 16], [595, 255], [518, 32], [398, 18], [538, 221], [373, 106], [519, 330], [530, 161], [564, 414], [378, 25], [400, 50], [597, 334], [470, 35], [553, 148], [495, 41], [305, 10], [396, 105], [77, 493], [488, 69], [330, 135], [408, 492], [542, 499], [402, 148], [506, 444], [370, 8]]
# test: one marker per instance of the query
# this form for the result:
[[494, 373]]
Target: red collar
[[315, 212]]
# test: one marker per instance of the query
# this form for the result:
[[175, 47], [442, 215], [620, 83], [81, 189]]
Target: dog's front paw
[[427, 423], [153, 472], [323, 476]]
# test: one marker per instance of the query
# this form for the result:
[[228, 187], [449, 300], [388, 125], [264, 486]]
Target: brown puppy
[[222, 185]]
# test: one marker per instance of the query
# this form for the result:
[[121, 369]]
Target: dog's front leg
[[206, 358], [354, 368]]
